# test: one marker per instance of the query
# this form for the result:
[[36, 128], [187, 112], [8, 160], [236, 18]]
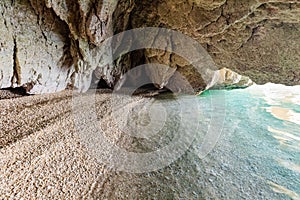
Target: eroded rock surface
[[256, 38], [33, 48], [46, 45], [50, 44], [228, 79]]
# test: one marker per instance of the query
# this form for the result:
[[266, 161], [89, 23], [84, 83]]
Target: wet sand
[[284, 114]]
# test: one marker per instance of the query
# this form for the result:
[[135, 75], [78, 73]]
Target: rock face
[[227, 79], [49, 44], [32, 48], [256, 38], [46, 45]]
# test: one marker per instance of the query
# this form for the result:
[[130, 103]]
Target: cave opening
[[99, 83], [102, 84], [150, 90]]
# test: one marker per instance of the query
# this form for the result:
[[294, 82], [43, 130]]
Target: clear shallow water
[[262, 128], [257, 156]]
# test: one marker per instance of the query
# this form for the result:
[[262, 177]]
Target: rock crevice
[[16, 79]]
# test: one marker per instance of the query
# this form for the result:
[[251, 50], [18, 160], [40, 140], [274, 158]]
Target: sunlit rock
[[228, 79]]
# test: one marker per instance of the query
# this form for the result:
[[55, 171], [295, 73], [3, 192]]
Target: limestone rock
[[228, 79], [33, 53], [43, 44], [6, 51], [49, 44], [259, 39]]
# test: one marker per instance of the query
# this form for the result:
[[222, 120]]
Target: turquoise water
[[246, 145], [262, 133]]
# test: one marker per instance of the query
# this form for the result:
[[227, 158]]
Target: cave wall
[[256, 38], [32, 48], [49, 44]]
